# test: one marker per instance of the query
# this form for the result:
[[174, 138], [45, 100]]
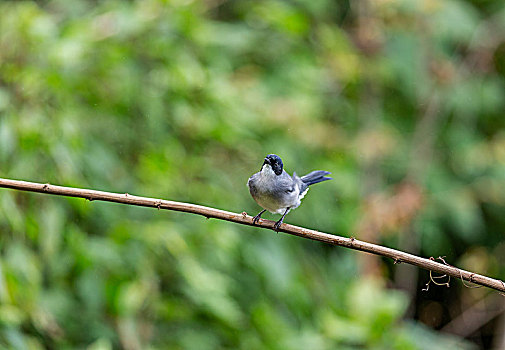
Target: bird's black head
[[275, 162]]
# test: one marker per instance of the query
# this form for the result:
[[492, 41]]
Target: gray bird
[[278, 192]]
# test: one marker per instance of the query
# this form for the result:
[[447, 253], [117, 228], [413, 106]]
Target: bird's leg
[[257, 217], [279, 223]]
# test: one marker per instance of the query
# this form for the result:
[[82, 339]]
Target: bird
[[278, 192]]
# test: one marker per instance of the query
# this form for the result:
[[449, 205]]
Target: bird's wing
[[285, 183], [302, 186]]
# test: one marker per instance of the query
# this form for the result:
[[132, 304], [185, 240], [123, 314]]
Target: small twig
[[432, 278], [440, 284], [239, 218], [467, 285]]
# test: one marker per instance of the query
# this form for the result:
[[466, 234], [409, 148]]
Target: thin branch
[[243, 218]]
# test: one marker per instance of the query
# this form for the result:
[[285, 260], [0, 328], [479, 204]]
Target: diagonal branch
[[397, 255]]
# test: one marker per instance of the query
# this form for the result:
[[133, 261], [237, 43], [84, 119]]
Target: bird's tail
[[315, 177]]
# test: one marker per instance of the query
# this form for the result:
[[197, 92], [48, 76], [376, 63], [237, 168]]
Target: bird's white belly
[[276, 206], [273, 206]]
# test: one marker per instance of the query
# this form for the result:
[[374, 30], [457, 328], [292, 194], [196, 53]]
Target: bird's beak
[[266, 162]]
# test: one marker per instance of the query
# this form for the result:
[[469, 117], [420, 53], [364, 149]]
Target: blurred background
[[403, 101]]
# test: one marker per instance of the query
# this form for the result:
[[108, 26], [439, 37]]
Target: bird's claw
[[277, 225], [257, 217]]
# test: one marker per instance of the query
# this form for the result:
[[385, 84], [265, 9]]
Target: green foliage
[[181, 100]]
